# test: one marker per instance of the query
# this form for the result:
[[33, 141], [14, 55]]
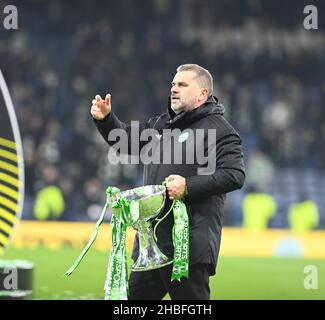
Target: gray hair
[[202, 75]]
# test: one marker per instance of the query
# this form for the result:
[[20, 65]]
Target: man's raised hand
[[100, 108]]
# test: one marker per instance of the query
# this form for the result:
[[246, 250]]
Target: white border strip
[[15, 128]]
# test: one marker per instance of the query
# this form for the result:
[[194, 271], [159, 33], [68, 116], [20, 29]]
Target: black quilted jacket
[[206, 193]]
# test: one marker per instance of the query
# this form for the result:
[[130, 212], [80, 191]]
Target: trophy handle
[[159, 220]]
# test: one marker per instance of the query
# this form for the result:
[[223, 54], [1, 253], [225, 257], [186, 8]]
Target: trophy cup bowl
[[151, 200]]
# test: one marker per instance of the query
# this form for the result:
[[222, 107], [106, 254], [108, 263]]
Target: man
[[191, 106]]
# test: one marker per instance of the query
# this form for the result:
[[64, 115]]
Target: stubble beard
[[179, 107]]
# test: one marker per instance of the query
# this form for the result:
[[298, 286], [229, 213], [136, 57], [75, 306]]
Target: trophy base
[[150, 257], [139, 268]]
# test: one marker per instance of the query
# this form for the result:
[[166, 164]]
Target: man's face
[[186, 93]]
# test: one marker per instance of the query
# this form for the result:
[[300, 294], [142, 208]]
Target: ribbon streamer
[[116, 287], [123, 212], [180, 235], [180, 241], [90, 242]]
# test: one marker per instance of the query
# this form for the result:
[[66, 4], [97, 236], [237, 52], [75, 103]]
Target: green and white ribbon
[[116, 286], [180, 241], [110, 191], [123, 214], [90, 242], [180, 235]]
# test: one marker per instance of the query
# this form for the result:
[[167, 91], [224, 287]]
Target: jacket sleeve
[[131, 133], [229, 171]]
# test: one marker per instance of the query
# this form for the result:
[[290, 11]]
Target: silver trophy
[[151, 200]]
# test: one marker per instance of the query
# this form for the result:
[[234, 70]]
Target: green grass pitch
[[237, 277]]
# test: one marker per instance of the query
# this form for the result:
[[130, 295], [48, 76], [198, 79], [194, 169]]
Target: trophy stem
[[150, 256]]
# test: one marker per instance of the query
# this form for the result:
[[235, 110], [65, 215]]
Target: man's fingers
[[172, 192], [169, 185], [94, 109], [100, 108], [172, 177], [107, 99]]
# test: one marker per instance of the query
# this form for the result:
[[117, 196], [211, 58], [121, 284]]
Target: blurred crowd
[[64, 53]]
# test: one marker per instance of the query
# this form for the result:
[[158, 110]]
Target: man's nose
[[174, 89]]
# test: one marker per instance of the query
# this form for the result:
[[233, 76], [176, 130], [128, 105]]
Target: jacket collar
[[211, 106]]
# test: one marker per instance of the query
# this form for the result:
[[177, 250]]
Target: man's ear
[[204, 94]]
